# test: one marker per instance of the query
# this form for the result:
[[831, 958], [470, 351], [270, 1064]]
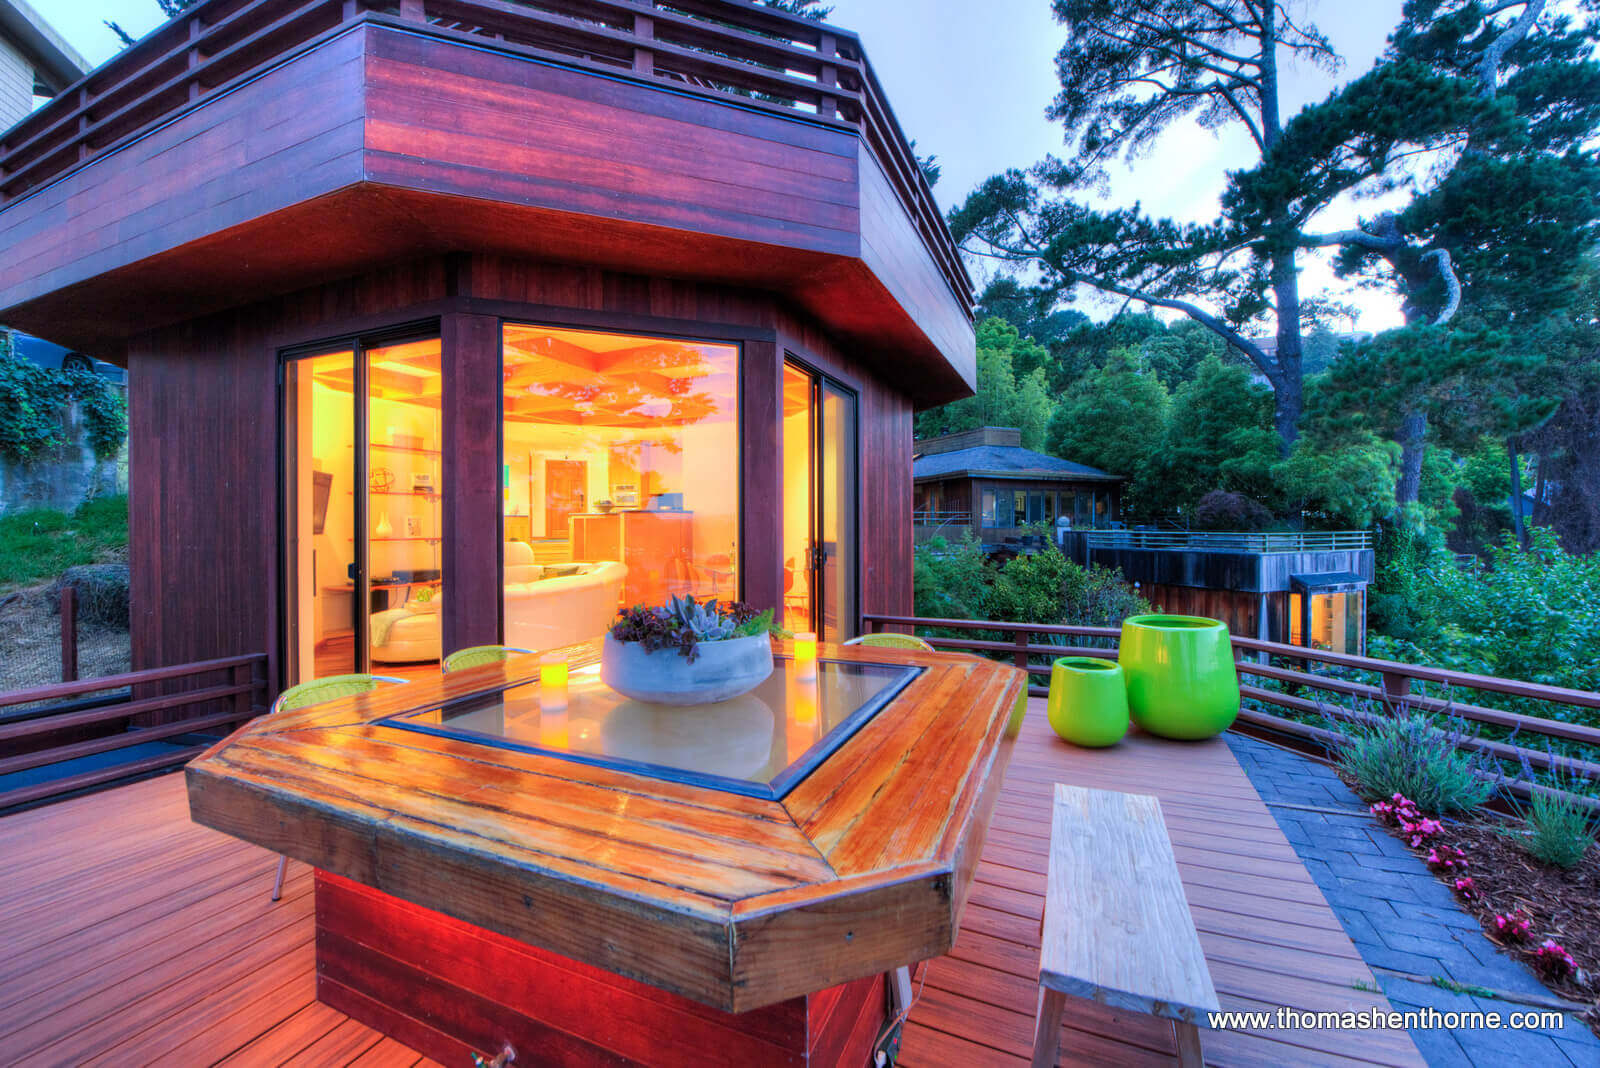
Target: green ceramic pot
[[1181, 678], [1088, 703]]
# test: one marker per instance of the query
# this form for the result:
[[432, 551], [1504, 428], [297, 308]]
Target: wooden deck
[[135, 937]]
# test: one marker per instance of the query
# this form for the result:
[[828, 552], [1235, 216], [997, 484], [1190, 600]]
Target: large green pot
[[1182, 682], [1088, 702]]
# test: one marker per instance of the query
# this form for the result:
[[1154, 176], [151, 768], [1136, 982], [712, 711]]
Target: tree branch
[[1452, 285], [1211, 322], [1489, 66]]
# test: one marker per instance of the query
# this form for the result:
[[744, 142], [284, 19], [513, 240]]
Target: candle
[[553, 683], [805, 655]]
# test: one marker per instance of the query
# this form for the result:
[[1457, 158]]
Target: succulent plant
[[682, 624]]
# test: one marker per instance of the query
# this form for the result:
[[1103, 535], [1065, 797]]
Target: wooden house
[[453, 322], [985, 482]]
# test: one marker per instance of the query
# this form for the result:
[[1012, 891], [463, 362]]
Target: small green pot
[[1088, 702], [1182, 682]]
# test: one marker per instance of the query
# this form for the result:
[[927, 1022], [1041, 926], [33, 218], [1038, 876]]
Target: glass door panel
[[320, 504], [819, 506], [838, 462], [404, 476], [799, 499]]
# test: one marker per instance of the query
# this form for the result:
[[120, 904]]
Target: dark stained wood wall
[[204, 507], [458, 120], [290, 136], [1240, 611]]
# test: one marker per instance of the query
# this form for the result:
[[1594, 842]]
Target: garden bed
[[1504, 883]]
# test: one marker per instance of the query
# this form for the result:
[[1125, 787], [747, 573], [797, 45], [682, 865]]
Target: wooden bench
[[1117, 927]]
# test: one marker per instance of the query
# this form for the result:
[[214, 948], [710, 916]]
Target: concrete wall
[[64, 479], [16, 85]]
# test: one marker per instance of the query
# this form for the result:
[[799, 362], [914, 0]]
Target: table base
[[448, 989]]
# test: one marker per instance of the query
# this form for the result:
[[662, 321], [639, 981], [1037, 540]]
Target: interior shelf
[[406, 448]]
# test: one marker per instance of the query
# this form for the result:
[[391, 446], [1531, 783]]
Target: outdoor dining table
[[600, 880]]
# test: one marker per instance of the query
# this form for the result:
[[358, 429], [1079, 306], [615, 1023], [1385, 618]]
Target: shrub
[[1225, 510], [1411, 756], [102, 593]]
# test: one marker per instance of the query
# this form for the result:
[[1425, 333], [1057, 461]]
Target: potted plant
[[686, 653]]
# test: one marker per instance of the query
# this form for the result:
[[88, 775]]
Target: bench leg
[[1047, 1027], [1188, 1036]]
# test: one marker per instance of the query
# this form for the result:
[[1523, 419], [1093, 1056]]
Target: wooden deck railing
[[1316, 541], [229, 690], [733, 50], [1387, 690]]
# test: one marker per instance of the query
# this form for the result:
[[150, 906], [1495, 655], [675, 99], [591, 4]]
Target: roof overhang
[[56, 64], [1019, 476]]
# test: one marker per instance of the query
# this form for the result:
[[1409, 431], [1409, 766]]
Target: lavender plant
[[1413, 756]]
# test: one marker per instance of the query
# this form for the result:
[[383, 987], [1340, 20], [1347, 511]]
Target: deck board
[[1268, 934], [141, 938]]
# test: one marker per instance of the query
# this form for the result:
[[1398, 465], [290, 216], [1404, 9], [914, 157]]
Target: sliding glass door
[[819, 505], [363, 468]]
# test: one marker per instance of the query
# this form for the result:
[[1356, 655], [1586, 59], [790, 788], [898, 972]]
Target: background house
[[35, 61], [984, 481], [1298, 588]]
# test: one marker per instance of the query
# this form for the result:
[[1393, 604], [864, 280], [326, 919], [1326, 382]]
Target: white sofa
[[548, 613], [543, 609]]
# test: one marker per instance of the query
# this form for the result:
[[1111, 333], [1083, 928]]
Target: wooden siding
[[377, 145], [895, 254], [135, 936], [456, 120], [288, 137]]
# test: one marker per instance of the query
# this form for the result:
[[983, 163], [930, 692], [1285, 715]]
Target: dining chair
[[478, 655], [893, 641], [316, 692]]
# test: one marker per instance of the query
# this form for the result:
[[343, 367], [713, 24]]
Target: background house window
[[620, 483]]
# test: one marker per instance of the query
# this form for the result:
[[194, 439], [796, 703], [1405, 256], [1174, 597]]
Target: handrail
[[1237, 541], [755, 56], [51, 738], [1393, 692]]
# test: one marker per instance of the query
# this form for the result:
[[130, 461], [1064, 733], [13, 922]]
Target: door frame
[[357, 344], [849, 615]]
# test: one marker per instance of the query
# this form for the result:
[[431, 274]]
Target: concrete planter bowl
[[1181, 678], [720, 671]]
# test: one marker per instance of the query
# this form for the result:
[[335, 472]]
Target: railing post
[[69, 634], [194, 57], [1022, 649], [1396, 690], [644, 57], [244, 675], [412, 10], [827, 74], [83, 124]]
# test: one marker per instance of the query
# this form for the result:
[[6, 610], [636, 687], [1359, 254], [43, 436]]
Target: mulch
[[1563, 905]]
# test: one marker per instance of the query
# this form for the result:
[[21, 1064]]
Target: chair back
[[331, 688], [478, 655], [893, 641]]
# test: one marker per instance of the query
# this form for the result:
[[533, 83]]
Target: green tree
[[1219, 437], [1514, 90], [1005, 397], [1115, 418], [1128, 71]]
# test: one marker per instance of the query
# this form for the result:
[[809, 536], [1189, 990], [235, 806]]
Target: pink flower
[[1553, 960], [1514, 926], [1446, 858], [1466, 888]]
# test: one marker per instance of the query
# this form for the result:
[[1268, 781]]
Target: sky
[[970, 81]]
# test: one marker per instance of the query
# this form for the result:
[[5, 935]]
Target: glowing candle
[[805, 655], [553, 683]]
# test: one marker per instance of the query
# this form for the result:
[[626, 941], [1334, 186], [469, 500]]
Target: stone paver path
[[1401, 917]]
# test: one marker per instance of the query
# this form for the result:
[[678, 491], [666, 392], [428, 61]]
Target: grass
[[37, 545]]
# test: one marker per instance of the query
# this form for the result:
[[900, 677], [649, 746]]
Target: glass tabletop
[[760, 744]]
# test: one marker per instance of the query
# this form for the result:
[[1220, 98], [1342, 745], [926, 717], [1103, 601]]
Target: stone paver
[[1401, 917]]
